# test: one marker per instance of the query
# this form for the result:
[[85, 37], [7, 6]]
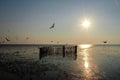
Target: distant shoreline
[[56, 44]]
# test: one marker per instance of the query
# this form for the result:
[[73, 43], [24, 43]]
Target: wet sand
[[17, 69]]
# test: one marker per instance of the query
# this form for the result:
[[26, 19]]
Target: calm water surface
[[96, 62]]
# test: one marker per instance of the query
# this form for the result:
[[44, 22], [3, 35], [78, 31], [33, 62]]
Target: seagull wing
[[52, 26], [7, 39]]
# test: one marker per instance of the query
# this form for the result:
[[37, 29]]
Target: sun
[[86, 23]]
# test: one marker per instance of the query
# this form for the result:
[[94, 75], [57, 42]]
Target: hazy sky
[[28, 21]]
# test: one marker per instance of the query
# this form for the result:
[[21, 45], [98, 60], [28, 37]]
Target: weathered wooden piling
[[43, 51], [76, 49], [40, 53], [75, 53], [53, 50], [63, 51]]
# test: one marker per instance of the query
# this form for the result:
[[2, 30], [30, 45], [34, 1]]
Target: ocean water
[[94, 62]]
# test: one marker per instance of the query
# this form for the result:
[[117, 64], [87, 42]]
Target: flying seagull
[[27, 38], [104, 41], [51, 41], [7, 39], [52, 26]]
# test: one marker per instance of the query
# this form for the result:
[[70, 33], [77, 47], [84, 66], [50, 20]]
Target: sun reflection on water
[[87, 64], [85, 46], [85, 58], [85, 54]]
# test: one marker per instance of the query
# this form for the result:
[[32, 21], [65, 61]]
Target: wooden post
[[40, 53], [43, 51], [75, 49], [75, 52], [63, 51]]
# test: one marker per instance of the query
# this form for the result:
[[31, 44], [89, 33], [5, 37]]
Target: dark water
[[98, 62]]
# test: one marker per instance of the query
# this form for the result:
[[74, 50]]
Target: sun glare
[[86, 64], [86, 24], [84, 46]]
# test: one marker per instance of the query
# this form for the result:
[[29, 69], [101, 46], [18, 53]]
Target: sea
[[93, 62]]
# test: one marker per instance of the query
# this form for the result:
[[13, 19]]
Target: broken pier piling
[[62, 50]]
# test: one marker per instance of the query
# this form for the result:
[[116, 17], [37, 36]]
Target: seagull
[[27, 38], [51, 41], [52, 26], [104, 41], [7, 39]]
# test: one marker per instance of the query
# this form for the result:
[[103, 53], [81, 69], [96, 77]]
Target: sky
[[28, 21]]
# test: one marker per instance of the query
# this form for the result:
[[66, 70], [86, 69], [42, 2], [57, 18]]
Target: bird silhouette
[[51, 41], [27, 38], [52, 26], [104, 41], [7, 39]]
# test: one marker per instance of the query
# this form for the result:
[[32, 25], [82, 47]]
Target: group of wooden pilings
[[44, 51]]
